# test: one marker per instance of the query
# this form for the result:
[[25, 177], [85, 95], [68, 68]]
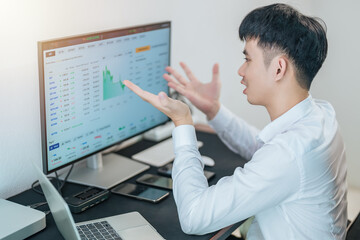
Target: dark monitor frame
[[74, 40]]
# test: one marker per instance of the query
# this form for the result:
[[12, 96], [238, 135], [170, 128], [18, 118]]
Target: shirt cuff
[[184, 135], [221, 120]]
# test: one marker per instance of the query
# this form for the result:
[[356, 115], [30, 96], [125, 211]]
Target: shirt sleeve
[[268, 179], [235, 133]]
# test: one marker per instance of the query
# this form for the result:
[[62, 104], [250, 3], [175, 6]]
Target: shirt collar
[[283, 122]]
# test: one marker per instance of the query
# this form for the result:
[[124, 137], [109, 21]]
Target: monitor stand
[[104, 171]]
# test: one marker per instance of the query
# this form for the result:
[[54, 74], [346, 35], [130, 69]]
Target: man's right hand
[[204, 96]]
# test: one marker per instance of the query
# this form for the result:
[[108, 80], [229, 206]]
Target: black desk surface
[[163, 215]]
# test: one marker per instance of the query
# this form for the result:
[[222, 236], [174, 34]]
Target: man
[[294, 183]]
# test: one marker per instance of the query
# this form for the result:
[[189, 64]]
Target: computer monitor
[[85, 108]]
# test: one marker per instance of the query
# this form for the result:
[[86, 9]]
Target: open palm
[[205, 96]]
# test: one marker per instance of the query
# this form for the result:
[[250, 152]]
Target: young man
[[295, 180]]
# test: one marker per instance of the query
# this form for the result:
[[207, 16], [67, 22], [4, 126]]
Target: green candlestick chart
[[110, 88]]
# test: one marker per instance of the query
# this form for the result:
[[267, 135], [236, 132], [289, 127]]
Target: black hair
[[282, 28]]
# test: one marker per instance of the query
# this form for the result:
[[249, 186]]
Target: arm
[[237, 135], [271, 177]]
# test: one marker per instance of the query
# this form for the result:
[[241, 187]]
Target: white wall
[[209, 34], [204, 32], [338, 81], [215, 33], [22, 24]]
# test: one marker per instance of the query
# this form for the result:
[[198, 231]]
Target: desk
[[163, 215]]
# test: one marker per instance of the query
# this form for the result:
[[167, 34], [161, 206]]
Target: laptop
[[128, 226]]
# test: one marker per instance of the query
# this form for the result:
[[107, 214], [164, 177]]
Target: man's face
[[255, 75]]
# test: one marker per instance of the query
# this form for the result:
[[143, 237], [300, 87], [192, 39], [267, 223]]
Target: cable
[[33, 187], [59, 188], [36, 205], [59, 185], [65, 179]]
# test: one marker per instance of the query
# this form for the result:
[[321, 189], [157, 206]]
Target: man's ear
[[281, 65]]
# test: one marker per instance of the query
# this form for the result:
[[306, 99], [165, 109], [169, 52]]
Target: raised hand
[[205, 96], [176, 110]]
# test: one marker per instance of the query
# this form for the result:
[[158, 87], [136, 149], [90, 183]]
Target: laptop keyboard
[[98, 230]]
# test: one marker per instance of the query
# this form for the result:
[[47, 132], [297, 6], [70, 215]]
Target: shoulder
[[312, 129]]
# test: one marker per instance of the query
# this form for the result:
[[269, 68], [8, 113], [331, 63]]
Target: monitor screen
[[85, 107]]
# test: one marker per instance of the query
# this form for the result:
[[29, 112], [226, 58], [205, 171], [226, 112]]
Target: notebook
[[128, 226]]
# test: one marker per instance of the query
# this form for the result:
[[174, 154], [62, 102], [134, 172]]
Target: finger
[[172, 83], [164, 99], [164, 103], [133, 87], [179, 88], [188, 72], [177, 75], [216, 72], [168, 78], [168, 106], [149, 97]]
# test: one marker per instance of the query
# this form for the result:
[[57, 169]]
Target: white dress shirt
[[294, 182]]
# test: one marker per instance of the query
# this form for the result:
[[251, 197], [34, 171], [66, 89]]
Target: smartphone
[[87, 198], [156, 181], [166, 171], [140, 192]]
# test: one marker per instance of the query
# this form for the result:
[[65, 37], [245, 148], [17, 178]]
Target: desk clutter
[[161, 216]]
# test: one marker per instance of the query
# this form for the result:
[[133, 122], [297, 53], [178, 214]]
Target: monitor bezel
[[44, 147]]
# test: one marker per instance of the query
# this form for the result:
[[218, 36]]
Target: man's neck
[[283, 103]]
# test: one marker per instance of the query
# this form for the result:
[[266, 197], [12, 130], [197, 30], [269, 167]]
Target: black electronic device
[[140, 192], [87, 198], [167, 169], [85, 107], [156, 181]]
